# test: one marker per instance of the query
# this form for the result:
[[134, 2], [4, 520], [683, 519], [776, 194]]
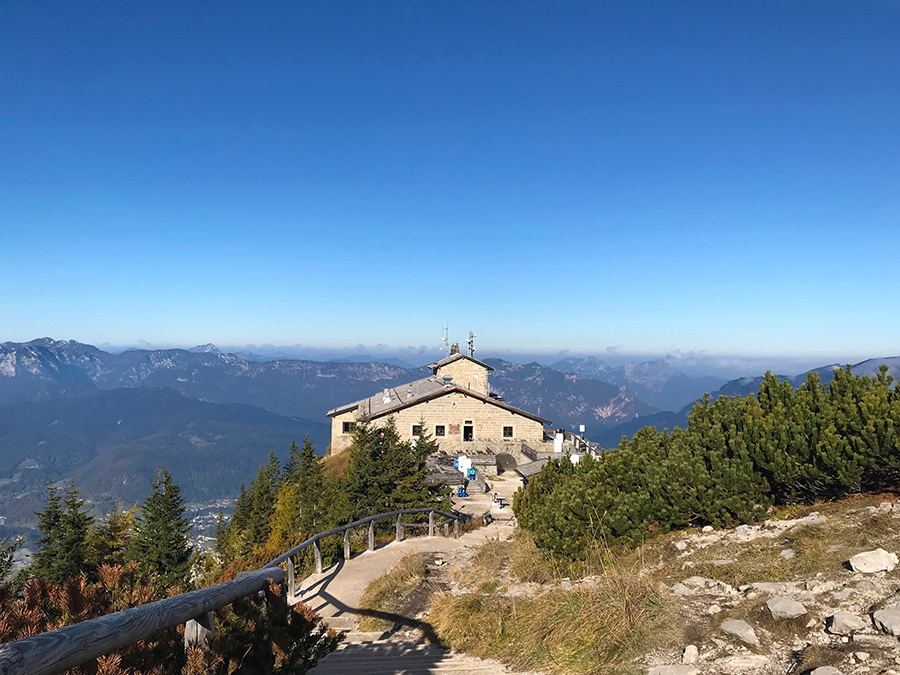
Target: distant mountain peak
[[208, 348]]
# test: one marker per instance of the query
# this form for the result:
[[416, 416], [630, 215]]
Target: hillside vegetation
[[737, 458]]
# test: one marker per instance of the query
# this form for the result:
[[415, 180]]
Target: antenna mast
[[471, 343], [445, 330]]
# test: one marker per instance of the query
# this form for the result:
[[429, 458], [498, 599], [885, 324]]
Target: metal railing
[[58, 650]]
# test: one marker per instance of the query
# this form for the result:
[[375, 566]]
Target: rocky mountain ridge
[[655, 381]]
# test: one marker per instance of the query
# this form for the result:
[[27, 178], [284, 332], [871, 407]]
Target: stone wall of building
[[452, 411], [467, 374], [340, 439]]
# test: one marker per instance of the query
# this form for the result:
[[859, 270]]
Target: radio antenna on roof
[[471, 343], [445, 330]]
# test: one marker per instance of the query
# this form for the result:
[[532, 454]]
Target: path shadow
[[398, 620]]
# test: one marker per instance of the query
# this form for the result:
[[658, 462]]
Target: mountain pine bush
[[737, 457]]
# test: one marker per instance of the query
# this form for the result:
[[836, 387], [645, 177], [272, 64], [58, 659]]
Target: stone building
[[456, 407]]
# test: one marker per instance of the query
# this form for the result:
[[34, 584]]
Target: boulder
[[678, 669], [691, 655], [826, 670], [707, 529], [787, 553], [887, 620], [743, 663], [844, 623], [784, 607], [878, 560], [742, 630]]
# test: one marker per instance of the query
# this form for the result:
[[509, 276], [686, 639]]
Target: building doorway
[[468, 432]]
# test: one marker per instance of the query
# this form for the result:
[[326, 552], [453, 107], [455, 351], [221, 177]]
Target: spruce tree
[[262, 507], [44, 560], [160, 539], [7, 551], [74, 526], [292, 466], [309, 479]]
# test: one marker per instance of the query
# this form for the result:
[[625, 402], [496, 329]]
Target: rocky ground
[[816, 594]]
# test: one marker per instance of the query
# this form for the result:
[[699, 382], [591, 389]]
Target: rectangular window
[[507, 432], [348, 427], [417, 430], [440, 430]]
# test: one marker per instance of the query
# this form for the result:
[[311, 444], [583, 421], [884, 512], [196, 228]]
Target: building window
[[507, 432], [348, 427], [417, 430], [440, 430]]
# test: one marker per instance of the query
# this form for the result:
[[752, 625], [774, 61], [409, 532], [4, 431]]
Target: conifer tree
[[161, 533], [292, 466], [48, 523], [109, 540], [7, 551], [273, 471], [74, 526], [262, 507], [285, 522], [309, 479]]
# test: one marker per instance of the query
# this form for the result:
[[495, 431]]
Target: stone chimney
[[454, 348]]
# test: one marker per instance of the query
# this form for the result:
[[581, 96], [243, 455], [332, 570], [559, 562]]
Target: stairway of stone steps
[[375, 654]]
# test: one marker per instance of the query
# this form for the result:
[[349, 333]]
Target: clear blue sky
[[650, 176]]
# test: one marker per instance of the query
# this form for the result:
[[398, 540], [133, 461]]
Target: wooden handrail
[[356, 523], [58, 650]]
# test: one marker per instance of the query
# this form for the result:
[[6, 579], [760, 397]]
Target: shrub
[[737, 457]]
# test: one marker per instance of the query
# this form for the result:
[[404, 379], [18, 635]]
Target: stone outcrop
[[783, 607], [742, 630], [878, 560]]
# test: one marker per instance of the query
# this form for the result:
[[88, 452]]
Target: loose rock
[[707, 528], [844, 623], [787, 554], [826, 670], [742, 630], [743, 663], [783, 607], [691, 655], [678, 669], [878, 560], [888, 620]]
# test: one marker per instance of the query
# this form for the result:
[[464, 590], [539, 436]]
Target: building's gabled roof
[[397, 398], [456, 357]]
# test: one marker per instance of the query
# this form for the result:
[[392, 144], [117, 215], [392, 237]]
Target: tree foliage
[[160, 542], [737, 457]]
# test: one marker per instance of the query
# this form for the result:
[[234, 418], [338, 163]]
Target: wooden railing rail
[[58, 650], [289, 556]]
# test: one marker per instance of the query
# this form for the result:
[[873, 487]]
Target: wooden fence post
[[371, 535], [291, 589], [431, 523], [198, 632], [398, 534], [446, 529], [347, 544], [317, 549], [456, 529]]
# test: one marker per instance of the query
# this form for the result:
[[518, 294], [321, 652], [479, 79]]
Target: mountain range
[[71, 409], [654, 381], [743, 386], [109, 420]]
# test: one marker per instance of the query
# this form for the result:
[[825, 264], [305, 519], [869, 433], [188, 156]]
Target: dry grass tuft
[[597, 628], [389, 591]]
